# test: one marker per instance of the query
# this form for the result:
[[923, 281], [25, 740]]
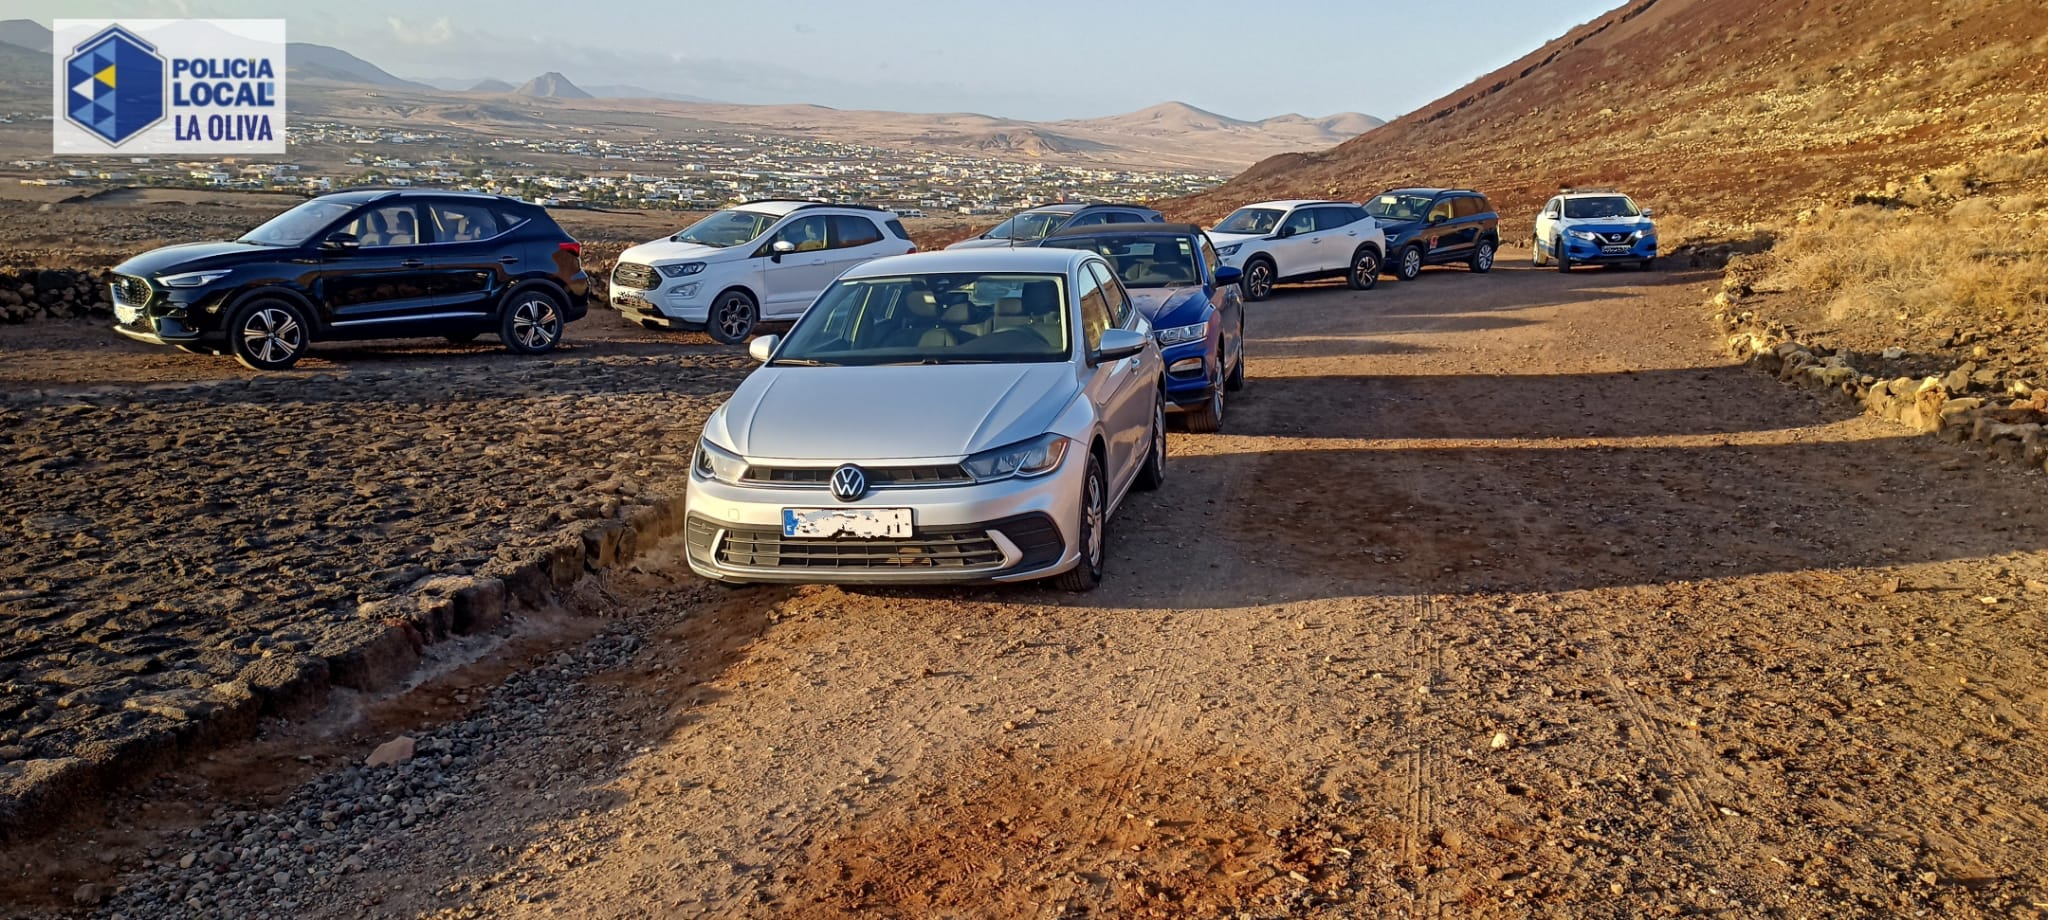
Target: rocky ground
[[174, 529], [1498, 596]]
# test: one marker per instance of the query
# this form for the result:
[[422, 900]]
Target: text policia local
[[243, 83]]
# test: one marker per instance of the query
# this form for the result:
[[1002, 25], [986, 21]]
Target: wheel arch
[[236, 301], [548, 283]]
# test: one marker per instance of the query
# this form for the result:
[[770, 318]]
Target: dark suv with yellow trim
[[372, 264]]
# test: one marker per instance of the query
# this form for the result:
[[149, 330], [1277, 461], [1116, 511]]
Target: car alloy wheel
[[270, 336], [1087, 571], [536, 324], [1365, 270], [733, 317], [1258, 280], [1482, 261], [1411, 263]]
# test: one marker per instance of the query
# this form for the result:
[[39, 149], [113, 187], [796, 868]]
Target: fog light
[[1185, 366]]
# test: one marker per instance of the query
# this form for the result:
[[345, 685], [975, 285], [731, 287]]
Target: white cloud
[[438, 32]]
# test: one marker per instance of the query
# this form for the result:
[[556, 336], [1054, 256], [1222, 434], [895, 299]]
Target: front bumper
[[664, 306], [1191, 387], [168, 317], [1585, 253], [1011, 530]]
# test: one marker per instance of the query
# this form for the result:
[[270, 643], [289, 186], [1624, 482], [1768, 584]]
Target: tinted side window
[[462, 221], [896, 227], [1128, 217], [808, 233], [1472, 206], [1090, 220], [389, 225], [1120, 311], [1441, 210], [1094, 310], [849, 231], [1332, 218], [510, 217]]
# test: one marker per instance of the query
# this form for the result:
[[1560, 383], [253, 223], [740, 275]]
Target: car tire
[[1536, 254], [1409, 266], [461, 338], [1365, 269], [1564, 259], [1094, 545], [531, 322], [733, 317], [1153, 474], [269, 334], [1209, 418], [1482, 258], [1258, 279], [1235, 381]]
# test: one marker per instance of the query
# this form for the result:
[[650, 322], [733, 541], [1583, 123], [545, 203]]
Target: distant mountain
[[552, 85], [629, 91], [320, 62], [25, 70], [25, 33], [1171, 117], [491, 85]]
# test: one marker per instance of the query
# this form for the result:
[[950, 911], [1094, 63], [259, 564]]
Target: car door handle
[[412, 263], [508, 260]]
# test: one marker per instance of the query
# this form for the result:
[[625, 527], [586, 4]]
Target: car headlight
[[192, 279], [681, 269], [1182, 334], [1229, 250], [713, 463], [1587, 235], [1035, 457]]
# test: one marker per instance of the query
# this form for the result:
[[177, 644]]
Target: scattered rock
[[391, 753], [1500, 741]]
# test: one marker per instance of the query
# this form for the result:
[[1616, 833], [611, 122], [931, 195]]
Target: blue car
[[1595, 227], [1193, 300]]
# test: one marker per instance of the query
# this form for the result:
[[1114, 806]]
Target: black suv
[[1026, 228], [361, 265], [1436, 226]]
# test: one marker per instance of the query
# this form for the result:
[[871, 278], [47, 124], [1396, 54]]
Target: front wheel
[[1409, 266], [1153, 474], [1087, 573], [733, 317], [1235, 381], [1564, 259], [268, 335], [1258, 279], [1365, 269], [532, 324], [1482, 258]]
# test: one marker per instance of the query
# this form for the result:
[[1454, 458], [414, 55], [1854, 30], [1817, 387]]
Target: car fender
[[283, 292]]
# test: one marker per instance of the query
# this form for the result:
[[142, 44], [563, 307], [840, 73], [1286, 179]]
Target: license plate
[[125, 314], [633, 303], [1615, 250], [860, 523]]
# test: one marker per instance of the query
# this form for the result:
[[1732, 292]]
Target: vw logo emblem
[[849, 483]]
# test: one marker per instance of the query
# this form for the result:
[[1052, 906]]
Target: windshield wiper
[[803, 362]]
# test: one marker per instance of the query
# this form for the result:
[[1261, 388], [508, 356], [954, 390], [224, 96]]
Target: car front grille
[[635, 275], [878, 476], [941, 549], [1615, 237], [130, 290]]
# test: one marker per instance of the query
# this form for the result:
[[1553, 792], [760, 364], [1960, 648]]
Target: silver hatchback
[[950, 416]]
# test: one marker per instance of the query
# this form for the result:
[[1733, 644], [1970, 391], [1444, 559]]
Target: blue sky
[[1040, 59]]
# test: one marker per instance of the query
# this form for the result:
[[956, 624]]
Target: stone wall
[[54, 294]]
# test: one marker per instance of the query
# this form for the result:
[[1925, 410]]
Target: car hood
[[1173, 306], [1610, 225], [187, 257], [855, 414], [1225, 239], [1394, 228], [663, 252]]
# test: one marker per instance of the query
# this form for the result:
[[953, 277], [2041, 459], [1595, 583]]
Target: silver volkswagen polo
[[951, 416]]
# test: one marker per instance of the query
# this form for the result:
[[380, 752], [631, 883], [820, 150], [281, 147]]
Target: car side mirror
[[764, 347], [1118, 344], [780, 248], [341, 240], [1649, 213], [1228, 275], [1283, 233], [1437, 218]]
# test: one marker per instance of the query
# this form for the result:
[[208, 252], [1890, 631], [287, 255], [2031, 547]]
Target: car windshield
[[1603, 206], [1149, 261], [950, 318], [727, 228], [1030, 225], [1399, 207], [297, 226], [1250, 220]]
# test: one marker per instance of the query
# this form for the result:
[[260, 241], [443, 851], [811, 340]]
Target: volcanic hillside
[[1729, 111]]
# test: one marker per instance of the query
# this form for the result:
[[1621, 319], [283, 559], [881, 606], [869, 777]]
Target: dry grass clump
[[1981, 259]]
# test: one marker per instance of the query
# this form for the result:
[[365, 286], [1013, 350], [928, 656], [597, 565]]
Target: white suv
[[1276, 241], [760, 261]]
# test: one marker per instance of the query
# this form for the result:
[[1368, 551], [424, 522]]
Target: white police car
[[1594, 227]]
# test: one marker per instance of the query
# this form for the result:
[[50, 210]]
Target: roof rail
[[804, 203], [1589, 190]]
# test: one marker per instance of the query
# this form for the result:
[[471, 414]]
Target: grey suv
[[1026, 228]]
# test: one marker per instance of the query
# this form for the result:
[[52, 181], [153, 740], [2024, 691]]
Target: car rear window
[[896, 227], [851, 231]]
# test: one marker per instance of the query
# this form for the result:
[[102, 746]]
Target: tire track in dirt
[[1425, 758], [1679, 770]]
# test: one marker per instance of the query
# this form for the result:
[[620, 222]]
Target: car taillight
[[573, 248], [911, 251]]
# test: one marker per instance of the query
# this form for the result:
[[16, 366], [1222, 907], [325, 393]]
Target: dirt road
[[1498, 596]]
